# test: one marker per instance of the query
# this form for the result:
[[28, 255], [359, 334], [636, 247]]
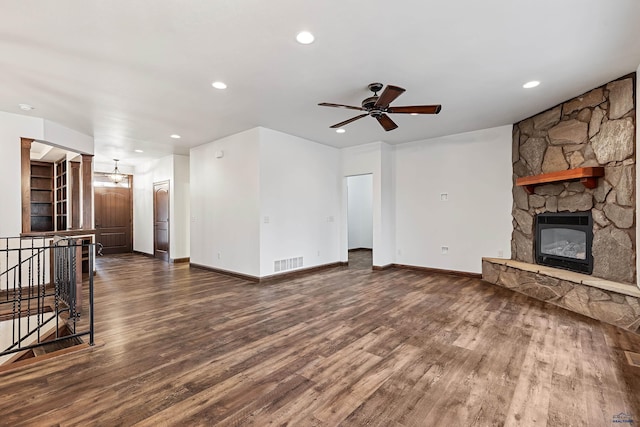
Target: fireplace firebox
[[564, 240]]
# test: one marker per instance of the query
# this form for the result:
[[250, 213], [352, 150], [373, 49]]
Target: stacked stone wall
[[594, 129]]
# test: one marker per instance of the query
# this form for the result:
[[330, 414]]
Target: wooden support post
[[87, 191], [74, 188], [25, 171]]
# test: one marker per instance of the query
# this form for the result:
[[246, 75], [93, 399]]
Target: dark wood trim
[[74, 191], [360, 249], [226, 272], [25, 173], [588, 176], [438, 271], [87, 191], [179, 260], [80, 232]]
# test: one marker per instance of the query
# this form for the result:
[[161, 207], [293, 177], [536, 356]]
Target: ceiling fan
[[378, 107]]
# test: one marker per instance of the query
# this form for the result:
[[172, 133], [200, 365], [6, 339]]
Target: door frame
[[132, 222], [155, 243], [346, 202]]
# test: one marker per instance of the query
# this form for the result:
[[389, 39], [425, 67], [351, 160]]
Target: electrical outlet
[[330, 219], [399, 251], [266, 220], [445, 250], [219, 255]]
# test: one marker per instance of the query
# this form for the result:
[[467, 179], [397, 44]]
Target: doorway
[[161, 220], [360, 219], [114, 215]]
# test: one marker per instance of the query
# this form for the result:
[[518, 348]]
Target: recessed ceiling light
[[340, 131], [138, 151], [305, 37], [219, 85], [25, 107], [529, 85], [176, 136]]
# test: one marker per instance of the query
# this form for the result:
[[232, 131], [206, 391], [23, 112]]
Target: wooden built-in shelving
[[588, 176], [41, 196], [61, 195]]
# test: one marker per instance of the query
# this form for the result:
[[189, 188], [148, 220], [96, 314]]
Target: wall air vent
[[287, 264]]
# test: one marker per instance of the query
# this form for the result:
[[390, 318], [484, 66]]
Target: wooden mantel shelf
[[588, 177]]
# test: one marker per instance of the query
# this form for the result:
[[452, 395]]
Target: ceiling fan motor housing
[[368, 103]]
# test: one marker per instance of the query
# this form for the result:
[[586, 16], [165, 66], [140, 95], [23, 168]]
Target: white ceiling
[[131, 73]]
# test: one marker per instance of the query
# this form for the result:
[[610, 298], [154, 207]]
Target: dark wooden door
[[161, 220], [114, 225]]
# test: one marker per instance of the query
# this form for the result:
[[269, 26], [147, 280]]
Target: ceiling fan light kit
[[378, 107]]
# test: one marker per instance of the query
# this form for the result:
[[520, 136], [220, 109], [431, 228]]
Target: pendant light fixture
[[116, 176]]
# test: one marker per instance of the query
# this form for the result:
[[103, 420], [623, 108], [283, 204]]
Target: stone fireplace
[[574, 172], [596, 129]]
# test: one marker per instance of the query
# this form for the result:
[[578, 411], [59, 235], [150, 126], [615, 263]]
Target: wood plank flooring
[[346, 346]]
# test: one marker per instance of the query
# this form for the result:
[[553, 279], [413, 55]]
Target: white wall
[[360, 211], [300, 185], [376, 159], [144, 177], [67, 138], [180, 237], [474, 169], [175, 169], [12, 128], [225, 204], [387, 247]]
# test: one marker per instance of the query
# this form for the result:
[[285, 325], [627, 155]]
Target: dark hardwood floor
[[347, 346]]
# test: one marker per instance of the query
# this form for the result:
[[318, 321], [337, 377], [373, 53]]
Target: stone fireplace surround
[[593, 129]]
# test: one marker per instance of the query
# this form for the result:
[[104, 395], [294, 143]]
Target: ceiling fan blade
[[388, 95], [386, 122], [327, 104], [346, 122], [416, 109]]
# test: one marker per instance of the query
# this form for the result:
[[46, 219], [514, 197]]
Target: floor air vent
[[633, 358], [287, 264]]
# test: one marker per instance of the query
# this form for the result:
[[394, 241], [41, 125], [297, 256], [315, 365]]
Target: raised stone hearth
[[604, 300], [593, 129]]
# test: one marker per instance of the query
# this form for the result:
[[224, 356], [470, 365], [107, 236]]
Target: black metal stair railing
[[41, 293]]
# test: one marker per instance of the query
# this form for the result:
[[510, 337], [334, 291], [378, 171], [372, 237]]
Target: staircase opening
[[46, 305]]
